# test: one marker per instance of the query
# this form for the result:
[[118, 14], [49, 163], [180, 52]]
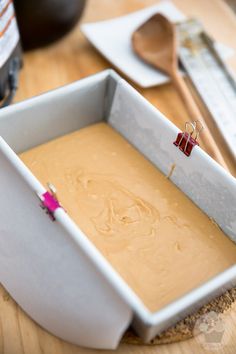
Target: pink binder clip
[[49, 201]]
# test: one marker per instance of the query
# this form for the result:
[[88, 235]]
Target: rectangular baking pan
[[51, 268]]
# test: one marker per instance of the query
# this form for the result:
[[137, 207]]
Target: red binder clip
[[188, 139]]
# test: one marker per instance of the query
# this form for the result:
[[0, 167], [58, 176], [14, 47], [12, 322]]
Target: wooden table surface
[[73, 58]]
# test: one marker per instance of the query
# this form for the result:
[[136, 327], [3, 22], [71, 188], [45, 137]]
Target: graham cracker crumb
[[184, 329]]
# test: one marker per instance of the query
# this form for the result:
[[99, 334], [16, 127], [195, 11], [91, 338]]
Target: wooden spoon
[[155, 42]]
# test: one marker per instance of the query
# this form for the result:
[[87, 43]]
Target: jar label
[[9, 35]]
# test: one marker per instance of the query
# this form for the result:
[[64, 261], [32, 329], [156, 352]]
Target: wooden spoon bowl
[[155, 42]]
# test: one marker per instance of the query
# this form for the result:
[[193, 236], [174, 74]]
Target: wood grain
[[73, 58]]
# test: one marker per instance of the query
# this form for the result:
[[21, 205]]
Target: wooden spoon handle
[[195, 114]]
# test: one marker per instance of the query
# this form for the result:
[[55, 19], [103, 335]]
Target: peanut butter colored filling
[[152, 234]]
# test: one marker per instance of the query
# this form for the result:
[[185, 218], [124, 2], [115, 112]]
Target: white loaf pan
[[51, 268]]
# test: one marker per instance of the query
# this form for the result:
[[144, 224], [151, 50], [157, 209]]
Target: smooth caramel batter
[[152, 234]]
